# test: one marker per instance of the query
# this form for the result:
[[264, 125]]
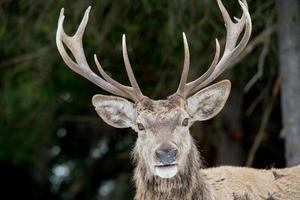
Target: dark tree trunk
[[289, 57]]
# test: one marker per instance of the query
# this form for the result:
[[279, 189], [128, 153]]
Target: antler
[[74, 43], [232, 50]]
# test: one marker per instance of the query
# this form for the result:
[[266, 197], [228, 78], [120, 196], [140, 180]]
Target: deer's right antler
[[232, 50], [81, 66]]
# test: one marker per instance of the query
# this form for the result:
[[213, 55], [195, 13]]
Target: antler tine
[[108, 78], [232, 28], [133, 91], [128, 67], [186, 66], [128, 90], [183, 87], [81, 66], [248, 28], [74, 43], [232, 49], [192, 86]]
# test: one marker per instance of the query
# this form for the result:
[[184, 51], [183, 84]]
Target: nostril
[[159, 153], [173, 152]]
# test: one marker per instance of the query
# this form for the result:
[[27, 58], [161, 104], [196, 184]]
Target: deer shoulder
[[242, 183]]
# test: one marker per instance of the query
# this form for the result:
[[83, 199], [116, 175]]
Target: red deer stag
[[168, 165]]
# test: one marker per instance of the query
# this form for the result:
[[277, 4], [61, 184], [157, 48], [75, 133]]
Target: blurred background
[[54, 146]]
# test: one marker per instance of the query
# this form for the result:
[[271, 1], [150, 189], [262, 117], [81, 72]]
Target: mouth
[[166, 171]]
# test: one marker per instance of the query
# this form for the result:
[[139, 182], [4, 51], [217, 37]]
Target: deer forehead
[[160, 114]]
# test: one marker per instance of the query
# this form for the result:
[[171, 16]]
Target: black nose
[[166, 155]]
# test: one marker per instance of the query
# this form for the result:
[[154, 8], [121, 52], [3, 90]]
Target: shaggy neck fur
[[187, 184]]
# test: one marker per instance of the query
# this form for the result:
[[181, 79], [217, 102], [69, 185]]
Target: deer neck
[[187, 184]]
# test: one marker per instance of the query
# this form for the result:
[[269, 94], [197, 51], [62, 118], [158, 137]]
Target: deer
[[168, 164]]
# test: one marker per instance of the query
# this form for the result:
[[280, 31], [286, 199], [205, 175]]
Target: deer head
[[164, 142]]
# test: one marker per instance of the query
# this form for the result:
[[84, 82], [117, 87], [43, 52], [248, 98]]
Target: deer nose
[[166, 155]]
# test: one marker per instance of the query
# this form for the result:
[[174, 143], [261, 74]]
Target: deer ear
[[115, 111], [208, 102]]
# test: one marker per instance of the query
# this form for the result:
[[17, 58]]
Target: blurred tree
[[289, 56]]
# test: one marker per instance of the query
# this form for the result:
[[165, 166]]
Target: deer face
[[164, 142]]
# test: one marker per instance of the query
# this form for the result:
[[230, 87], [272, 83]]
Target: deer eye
[[185, 122], [140, 126]]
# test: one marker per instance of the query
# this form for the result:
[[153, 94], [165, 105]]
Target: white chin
[[166, 171]]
